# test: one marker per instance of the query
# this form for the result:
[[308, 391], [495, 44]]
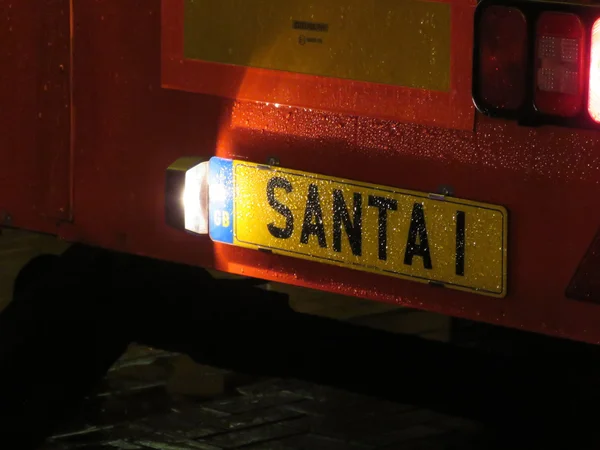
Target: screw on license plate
[[445, 190]]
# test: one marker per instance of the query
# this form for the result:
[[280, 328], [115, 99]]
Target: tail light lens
[[503, 54], [538, 62], [559, 58]]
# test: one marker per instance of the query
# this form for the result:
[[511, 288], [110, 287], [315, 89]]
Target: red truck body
[[98, 99]]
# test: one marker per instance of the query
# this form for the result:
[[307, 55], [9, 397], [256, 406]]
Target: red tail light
[[538, 62], [559, 54], [503, 54]]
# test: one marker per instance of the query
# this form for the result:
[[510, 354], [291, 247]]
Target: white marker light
[[195, 199], [186, 195]]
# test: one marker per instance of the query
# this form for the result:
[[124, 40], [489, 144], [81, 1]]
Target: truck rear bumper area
[[91, 130]]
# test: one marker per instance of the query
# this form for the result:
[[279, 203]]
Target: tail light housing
[[538, 62]]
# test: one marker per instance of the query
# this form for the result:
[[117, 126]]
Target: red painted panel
[[35, 113], [453, 109], [129, 129]]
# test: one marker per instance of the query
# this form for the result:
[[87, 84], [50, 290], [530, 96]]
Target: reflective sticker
[[585, 284], [402, 43]]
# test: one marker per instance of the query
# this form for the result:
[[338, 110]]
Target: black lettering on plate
[[353, 227], [460, 243], [383, 204], [280, 183], [418, 232], [313, 218]]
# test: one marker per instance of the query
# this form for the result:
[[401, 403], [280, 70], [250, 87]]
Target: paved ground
[[140, 408]]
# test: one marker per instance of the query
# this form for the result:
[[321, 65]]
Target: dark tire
[[34, 271], [57, 341]]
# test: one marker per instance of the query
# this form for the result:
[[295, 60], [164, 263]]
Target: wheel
[[57, 341], [32, 272]]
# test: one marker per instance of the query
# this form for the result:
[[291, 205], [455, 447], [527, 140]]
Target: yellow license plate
[[456, 243]]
